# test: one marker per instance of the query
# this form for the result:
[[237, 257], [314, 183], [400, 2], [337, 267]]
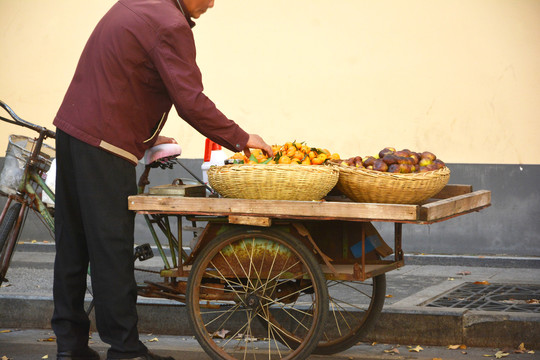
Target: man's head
[[198, 7]]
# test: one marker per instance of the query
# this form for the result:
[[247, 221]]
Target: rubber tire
[[358, 333], [220, 242], [6, 228]]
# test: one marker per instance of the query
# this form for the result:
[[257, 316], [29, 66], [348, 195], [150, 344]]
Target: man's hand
[[164, 140], [256, 142]]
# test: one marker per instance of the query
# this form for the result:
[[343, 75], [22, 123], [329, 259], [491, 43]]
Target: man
[[138, 62]]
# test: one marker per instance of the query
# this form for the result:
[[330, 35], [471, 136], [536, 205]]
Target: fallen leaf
[[392, 351], [45, 241], [49, 339], [484, 282], [451, 279], [5, 358], [33, 242], [221, 333], [453, 347], [463, 347], [533, 301], [436, 359], [389, 296], [521, 349], [464, 273], [416, 349], [530, 352], [5, 331], [153, 339], [374, 343], [45, 357], [500, 354], [487, 355]]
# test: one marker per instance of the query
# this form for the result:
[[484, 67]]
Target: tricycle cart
[[284, 279]]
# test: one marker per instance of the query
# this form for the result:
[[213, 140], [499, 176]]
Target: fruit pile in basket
[[398, 162], [290, 153]]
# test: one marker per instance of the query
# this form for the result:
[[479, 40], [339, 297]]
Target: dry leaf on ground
[[418, 348], [500, 354], [482, 282], [153, 339], [392, 351], [49, 339], [220, 334], [5, 331]]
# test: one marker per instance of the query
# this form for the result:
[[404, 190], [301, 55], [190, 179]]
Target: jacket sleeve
[[174, 57]]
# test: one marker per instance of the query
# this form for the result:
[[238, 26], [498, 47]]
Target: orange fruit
[[317, 161], [306, 161], [284, 160], [256, 152], [312, 154], [299, 155], [291, 151]]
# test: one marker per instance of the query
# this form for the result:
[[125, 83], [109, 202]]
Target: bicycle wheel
[[248, 274], [354, 308], [7, 227]]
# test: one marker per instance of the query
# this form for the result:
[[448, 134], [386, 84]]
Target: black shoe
[[84, 354], [149, 356]]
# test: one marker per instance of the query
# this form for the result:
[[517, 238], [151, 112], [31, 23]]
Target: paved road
[[37, 344]]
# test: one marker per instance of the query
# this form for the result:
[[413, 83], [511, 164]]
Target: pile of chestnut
[[389, 160]]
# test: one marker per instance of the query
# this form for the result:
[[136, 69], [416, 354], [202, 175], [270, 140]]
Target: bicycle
[[23, 182]]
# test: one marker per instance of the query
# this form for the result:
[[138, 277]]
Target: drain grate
[[491, 297]]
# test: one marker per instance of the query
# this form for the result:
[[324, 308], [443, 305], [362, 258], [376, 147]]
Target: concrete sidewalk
[[430, 301]]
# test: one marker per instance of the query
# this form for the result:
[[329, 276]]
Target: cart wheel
[[354, 309], [248, 277]]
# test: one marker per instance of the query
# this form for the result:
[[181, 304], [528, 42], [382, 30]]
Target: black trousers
[[94, 226]]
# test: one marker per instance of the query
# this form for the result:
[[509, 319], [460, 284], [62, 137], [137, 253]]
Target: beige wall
[[459, 78]]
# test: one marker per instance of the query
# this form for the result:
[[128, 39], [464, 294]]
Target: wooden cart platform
[[452, 201]]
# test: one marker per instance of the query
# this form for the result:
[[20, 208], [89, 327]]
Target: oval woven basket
[[364, 185], [273, 182]]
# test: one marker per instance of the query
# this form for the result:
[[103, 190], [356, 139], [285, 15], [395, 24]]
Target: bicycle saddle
[[161, 152]]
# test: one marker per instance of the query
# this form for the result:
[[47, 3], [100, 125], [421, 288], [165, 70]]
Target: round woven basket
[[363, 185], [273, 182]]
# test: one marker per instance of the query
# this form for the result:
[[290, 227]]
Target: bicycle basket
[[18, 151]]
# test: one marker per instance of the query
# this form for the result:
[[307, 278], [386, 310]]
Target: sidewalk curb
[[396, 325]]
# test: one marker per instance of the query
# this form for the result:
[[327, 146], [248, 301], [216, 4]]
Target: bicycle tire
[[6, 229], [232, 264], [354, 309]]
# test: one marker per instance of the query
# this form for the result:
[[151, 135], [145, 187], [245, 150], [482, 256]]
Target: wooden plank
[[250, 220], [274, 208], [456, 205], [453, 190]]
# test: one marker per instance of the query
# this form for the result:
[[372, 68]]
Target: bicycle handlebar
[[18, 121]]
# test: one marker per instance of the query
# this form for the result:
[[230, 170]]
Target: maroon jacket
[[140, 60]]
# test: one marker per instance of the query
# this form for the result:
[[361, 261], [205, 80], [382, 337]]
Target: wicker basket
[[273, 182], [363, 185]]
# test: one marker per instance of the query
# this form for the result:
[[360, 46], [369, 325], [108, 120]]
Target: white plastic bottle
[[213, 155]]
